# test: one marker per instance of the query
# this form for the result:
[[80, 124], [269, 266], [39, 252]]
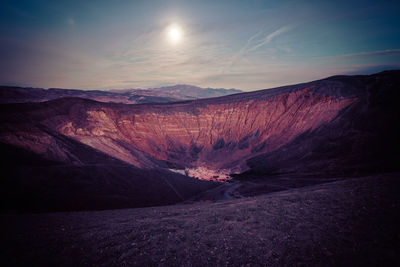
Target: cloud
[[269, 38], [366, 69], [251, 45], [373, 53], [243, 50]]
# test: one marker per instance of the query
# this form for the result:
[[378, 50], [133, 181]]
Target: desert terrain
[[347, 222]]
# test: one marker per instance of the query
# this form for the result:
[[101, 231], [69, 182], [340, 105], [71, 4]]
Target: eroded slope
[[215, 134]]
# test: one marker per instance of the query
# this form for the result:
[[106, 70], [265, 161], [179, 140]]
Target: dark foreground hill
[[354, 222]]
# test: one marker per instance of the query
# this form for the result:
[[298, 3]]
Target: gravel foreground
[[348, 222]]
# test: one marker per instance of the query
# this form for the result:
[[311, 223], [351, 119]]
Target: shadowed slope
[[362, 139], [87, 180]]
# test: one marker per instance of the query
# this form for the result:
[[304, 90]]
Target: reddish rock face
[[215, 135]]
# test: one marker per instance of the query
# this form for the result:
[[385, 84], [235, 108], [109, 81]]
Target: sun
[[174, 34]]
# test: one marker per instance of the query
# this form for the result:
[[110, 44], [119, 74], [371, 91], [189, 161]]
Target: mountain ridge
[[14, 94]]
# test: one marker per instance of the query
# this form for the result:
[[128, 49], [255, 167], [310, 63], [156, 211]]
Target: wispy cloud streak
[[252, 45], [242, 51], [270, 37], [372, 53]]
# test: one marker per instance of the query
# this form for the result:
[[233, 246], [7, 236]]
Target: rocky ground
[[348, 222]]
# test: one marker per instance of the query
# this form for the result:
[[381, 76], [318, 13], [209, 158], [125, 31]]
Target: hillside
[[347, 223]]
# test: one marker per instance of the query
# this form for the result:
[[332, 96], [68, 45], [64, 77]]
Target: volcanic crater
[[330, 127]]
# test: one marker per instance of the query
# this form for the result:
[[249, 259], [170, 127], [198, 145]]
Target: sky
[[247, 45]]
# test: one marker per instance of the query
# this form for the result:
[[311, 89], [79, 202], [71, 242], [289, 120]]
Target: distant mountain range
[[10, 94]]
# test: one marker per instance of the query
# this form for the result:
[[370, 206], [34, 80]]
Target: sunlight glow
[[175, 34]]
